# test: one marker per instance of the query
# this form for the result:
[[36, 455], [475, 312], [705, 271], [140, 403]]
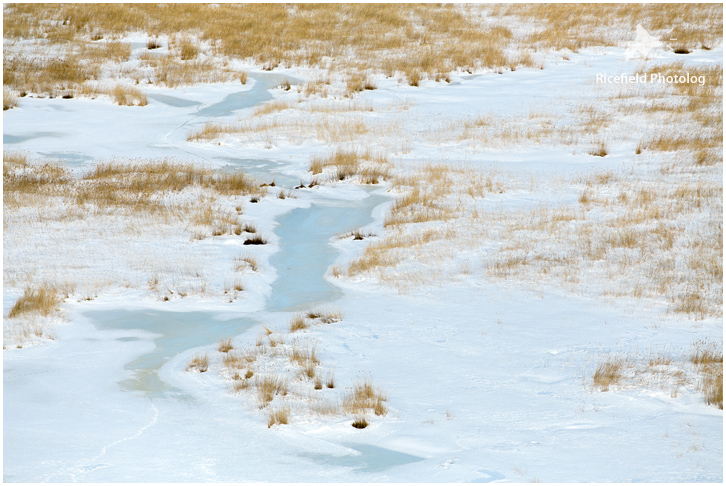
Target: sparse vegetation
[[225, 345], [278, 416], [370, 168], [10, 100], [325, 316], [297, 323], [199, 362], [126, 96], [600, 150], [365, 397], [701, 370], [269, 386]]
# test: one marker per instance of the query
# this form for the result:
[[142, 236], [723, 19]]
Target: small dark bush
[[360, 423], [257, 240]]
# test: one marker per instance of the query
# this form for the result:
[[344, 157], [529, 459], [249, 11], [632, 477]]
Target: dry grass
[[43, 300], [285, 373], [124, 205], [700, 370], [430, 200], [708, 359], [269, 386], [325, 316], [306, 359], [414, 41], [364, 397], [272, 127], [575, 27], [225, 345], [360, 423], [130, 186], [278, 416], [128, 96], [608, 374], [199, 362], [297, 323], [343, 164], [10, 99], [243, 262], [600, 150]]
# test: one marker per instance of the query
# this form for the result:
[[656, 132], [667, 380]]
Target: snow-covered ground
[[486, 380]]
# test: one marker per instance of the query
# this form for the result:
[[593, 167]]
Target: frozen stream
[[91, 422]]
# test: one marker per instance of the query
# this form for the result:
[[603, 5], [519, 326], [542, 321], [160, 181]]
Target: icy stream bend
[[304, 255]]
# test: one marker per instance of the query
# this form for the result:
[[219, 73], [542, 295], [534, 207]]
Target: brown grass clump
[[10, 99], [43, 300], [600, 150], [126, 96], [360, 423], [708, 359], [255, 240], [370, 168], [325, 316], [608, 374], [153, 43], [306, 359], [278, 416], [246, 261], [199, 362], [225, 345], [297, 323], [712, 387], [363, 398], [269, 386]]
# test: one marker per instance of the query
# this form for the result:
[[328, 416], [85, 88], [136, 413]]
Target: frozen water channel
[[92, 421]]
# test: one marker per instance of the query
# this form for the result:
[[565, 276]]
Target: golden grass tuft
[[297, 323], [10, 99], [199, 362], [278, 416], [369, 167], [306, 358], [225, 345], [608, 374], [325, 316], [269, 386], [127, 96], [43, 300], [365, 397], [243, 262]]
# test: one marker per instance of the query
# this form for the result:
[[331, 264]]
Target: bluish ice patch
[[173, 100], [491, 476], [175, 332], [305, 253], [263, 169], [369, 458], [68, 158], [7, 138], [247, 99]]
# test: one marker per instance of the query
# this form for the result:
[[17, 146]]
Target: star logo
[[643, 44]]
